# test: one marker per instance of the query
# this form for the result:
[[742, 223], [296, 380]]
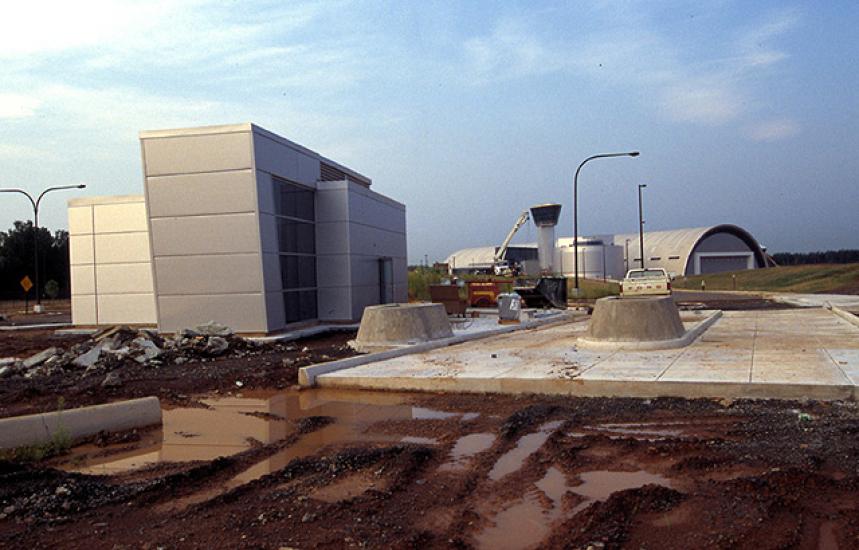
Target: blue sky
[[745, 112]]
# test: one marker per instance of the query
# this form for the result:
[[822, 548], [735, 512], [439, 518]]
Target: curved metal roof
[[469, 257], [674, 248]]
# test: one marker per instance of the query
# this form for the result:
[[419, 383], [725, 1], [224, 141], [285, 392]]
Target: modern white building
[[241, 226]]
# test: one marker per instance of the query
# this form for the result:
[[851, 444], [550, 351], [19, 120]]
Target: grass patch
[[814, 278], [59, 444], [592, 289]]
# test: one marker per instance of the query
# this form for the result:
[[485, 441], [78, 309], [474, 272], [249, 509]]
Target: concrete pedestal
[[646, 320], [393, 325]]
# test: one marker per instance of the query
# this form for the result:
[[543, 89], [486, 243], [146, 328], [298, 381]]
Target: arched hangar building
[[691, 251], [694, 251]]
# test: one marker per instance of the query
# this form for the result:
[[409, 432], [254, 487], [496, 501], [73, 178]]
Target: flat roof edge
[[104, 199], [196, 130]]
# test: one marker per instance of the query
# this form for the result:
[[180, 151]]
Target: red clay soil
[[675, 474], [24, 343]]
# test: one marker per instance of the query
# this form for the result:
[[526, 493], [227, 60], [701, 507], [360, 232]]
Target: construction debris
[[112, 348]]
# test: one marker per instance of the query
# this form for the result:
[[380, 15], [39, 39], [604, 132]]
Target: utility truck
[[645, 282]]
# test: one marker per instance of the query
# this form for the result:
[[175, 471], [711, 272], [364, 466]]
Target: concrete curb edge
[[35, 429], [844, 314], [307, 375]]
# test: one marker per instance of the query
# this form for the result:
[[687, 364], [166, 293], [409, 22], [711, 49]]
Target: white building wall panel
[[198, 194], [211, 234], [111, 271], [186, 154]]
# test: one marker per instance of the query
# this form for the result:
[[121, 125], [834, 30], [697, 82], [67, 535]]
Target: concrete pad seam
[[754, 342], [606, 358], [834, 362], [671, 364]]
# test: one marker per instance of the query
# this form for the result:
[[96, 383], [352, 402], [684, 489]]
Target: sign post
[[26, 284]]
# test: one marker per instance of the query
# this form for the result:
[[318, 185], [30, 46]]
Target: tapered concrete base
[[394, 325], [635, 320]]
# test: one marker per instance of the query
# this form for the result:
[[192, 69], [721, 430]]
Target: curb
[[690, 336], [578, 387], [33, 327], [35, 429], [307, 375], [844, 314]]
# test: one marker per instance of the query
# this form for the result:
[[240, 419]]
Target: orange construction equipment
[[485, 293]]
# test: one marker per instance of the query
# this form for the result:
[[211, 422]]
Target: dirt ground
[[310, 469], [725, 301], [515, 472], [275, 366], [17, 312]]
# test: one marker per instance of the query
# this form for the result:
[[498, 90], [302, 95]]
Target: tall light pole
[[576, 207], [641, 225], [36, 202], [626, 257]]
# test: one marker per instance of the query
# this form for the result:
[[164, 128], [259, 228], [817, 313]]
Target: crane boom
[[522, 220]]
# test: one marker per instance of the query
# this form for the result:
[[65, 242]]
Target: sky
[[467, 112]]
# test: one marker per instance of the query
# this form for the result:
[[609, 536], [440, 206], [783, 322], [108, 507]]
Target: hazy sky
[[468, 112]]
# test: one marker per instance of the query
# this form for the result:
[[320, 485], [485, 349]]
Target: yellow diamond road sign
[[26, 284]]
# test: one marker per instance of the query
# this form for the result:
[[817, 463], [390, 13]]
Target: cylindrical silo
[[545, 217]]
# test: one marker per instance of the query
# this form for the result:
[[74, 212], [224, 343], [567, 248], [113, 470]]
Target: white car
[[646, 282]]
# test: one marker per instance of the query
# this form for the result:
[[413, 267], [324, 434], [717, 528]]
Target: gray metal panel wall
[[204, 223]]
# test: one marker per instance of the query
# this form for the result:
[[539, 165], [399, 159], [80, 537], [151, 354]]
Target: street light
[[35, 202], [576, 207], [641, 224]]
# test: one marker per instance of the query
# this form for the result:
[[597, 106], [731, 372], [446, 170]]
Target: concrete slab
[[789, 354]]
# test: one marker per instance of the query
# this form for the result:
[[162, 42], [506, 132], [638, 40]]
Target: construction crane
[[499, 264]]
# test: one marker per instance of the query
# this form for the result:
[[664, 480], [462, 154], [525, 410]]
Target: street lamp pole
[[626, 256], [35, 203], [576, 208], [641, 225]]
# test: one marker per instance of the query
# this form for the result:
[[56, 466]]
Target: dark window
[[297, 271], [299, 305], [293, 200], [295, 209], [296, 237]]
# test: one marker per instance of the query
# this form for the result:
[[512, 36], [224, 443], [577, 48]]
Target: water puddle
[[599, 485], [233, 424], [526, 522], [529, 520], [466, 447], [522, 525], [422, 413], [652, 431], [527, 445]]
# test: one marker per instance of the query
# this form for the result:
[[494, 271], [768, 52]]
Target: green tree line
[[843, 256], [17, 260]]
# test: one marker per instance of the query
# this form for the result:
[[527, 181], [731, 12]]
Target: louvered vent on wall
[[331, 173]]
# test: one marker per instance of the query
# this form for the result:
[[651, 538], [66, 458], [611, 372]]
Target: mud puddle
[[465, 448], [229, 425], [527, 445], [526, 522]]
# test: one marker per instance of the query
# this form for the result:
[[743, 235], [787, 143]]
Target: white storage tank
[[597, 260]]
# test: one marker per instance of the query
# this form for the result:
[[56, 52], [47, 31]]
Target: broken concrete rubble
[[111, 348], [39, 358]]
